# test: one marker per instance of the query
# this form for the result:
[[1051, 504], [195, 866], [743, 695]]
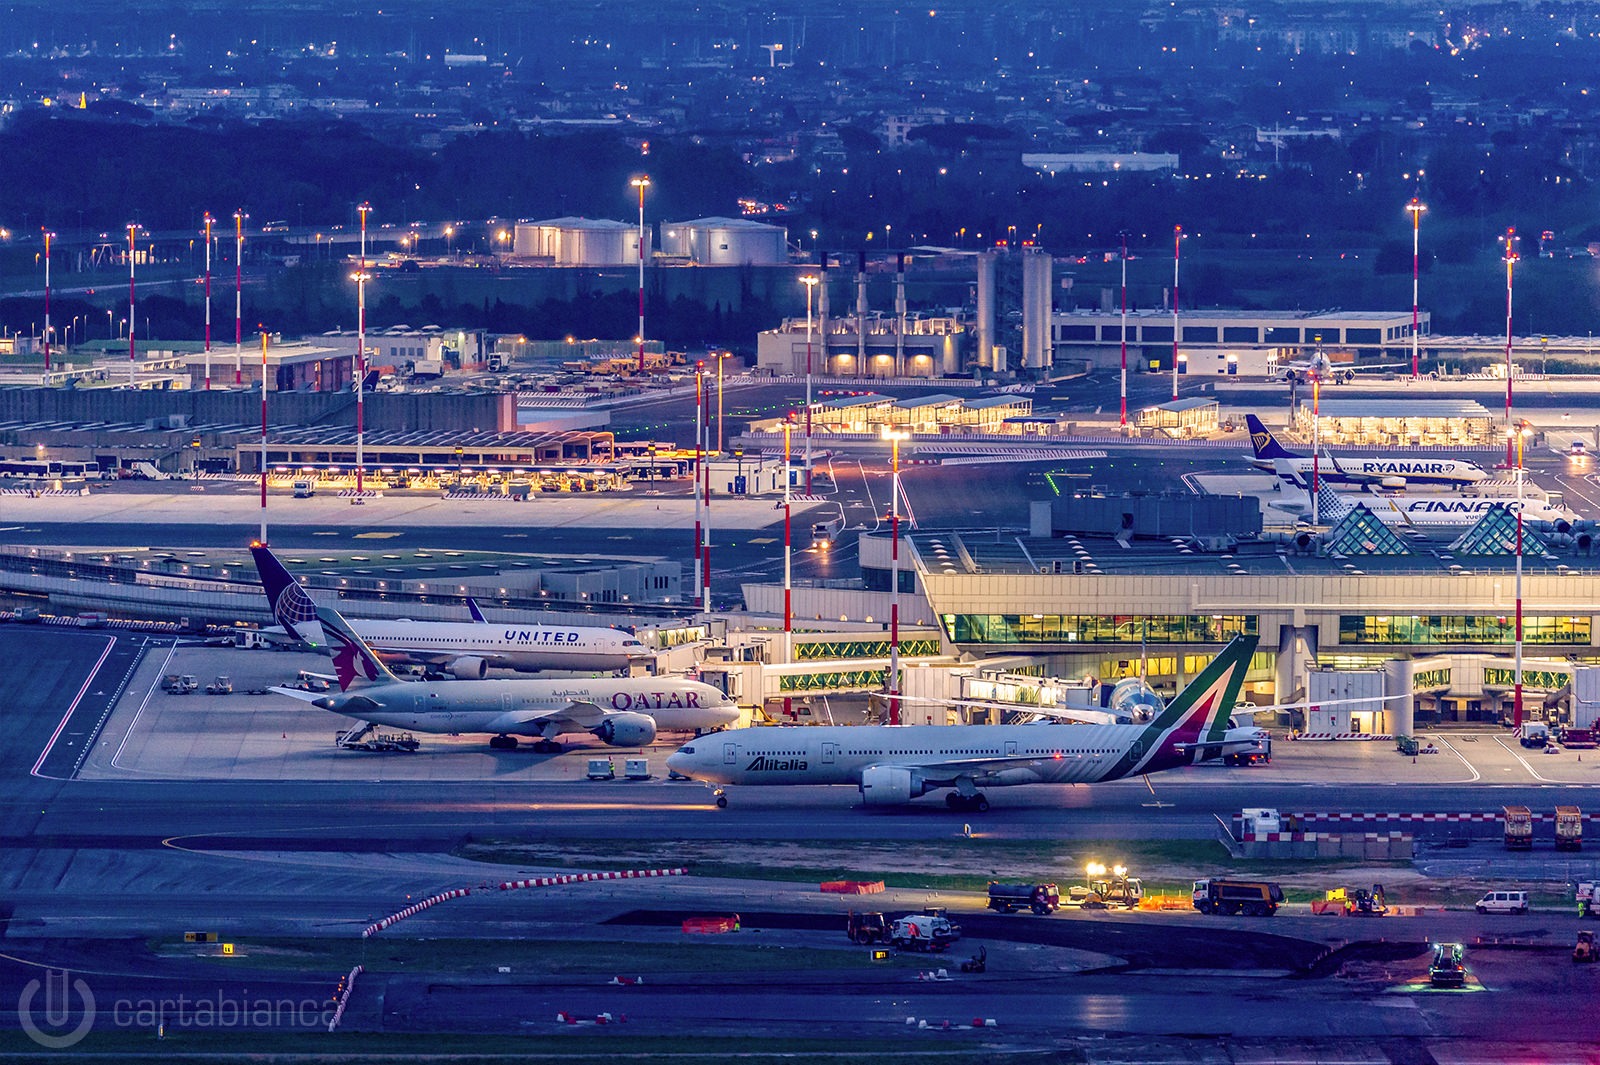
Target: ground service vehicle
[[1519, 828], [1579, 739], [221, 686], [1587, 901], [305, 488], [1117, 892], [924, 931], [179, 684], [1447, 969], [1040, 898], [1503, 902], [1253, 898], [1583, 950], [866, 927], [355, 740], [1535, 734], [1569, 828]]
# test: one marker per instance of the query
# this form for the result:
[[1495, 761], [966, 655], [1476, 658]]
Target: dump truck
[[866, 927], [1569, 828], [180, 684], [1040, 898], [1519, 828], [1252, 898], [924, 931]]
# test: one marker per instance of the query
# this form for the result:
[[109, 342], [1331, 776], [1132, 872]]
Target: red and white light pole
[[705, 473], [1511, 262], [47, 236], [894, 436], [1177, 249], [1123, 419], [1415, 209], [788, 553], [361, 356], [209, 222], [810, 282], [238, 300], [699, 458], [1316, 433], [263, 434], [641, 183], [1523, 432], [133, 230]]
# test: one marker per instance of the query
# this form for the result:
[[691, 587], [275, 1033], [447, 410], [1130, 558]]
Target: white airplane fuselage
[[497, 706], [838, 754], [528, 648], [1378, 469]]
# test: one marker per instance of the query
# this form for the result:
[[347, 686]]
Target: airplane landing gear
[[967, 803], [722, 799], [547, 747], [503, 743]]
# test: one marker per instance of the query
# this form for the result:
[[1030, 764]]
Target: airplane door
[[507, 703], [730, 754], [829, 751], [1011, 748]]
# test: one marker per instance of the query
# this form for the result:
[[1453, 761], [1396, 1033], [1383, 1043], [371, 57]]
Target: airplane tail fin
[[477, 615], [1201, 710], [1331, 506], [1266, 445], [354, 662], [290, 604]]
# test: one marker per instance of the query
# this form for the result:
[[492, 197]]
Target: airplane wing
[[297, 693], [574, 717], [945, 773], [1074, 714]]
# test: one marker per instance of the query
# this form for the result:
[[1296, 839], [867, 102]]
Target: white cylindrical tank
[[580, 241], [725, 242]]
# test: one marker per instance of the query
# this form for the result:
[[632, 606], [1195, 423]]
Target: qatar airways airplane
[[893, 764], [461, 649]]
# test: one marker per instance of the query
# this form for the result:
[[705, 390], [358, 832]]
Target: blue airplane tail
[[1266, 445]]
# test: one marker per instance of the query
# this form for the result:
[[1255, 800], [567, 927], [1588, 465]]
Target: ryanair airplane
[[1385, 471], [893, 764]]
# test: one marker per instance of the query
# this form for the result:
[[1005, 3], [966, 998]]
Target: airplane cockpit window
[[686, 750]]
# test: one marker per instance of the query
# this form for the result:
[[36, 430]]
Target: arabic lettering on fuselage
[[638, 700]]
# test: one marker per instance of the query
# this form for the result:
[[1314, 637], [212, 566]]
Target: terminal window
[[1462, 628], [1093, 628]]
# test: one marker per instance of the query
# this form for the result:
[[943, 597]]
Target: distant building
[[579, 241], [725, 242], [1099, 162]]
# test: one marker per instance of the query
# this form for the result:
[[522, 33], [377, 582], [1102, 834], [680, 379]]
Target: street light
[[721, 355], [361, 354], [641, 183], [209, 222], [1522, 434], [238, 297], [1177, 249], [810, 281], [894, 436], [47, 237], [133, 253], [1415, 208], [1511, 263], [449, 242]]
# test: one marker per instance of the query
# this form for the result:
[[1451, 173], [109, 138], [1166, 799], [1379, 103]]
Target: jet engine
[[888, 785], [1133, 699], [627, 730], [1393, 482], [468, 667]]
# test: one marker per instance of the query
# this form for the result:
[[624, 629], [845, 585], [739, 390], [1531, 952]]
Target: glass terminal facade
[[1461, 629], [1094, 628]]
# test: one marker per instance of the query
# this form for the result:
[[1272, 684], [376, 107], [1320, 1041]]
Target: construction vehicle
[[179, 684], [356, 740], [1569, 828], [1447, 968], [1108, 888], [1252, 898], [1040, 898], [223, 685], [979, 962], [1359, 902], [1519, 828], [866, 927], [1584, 949], [1589, 898], [924, 931]]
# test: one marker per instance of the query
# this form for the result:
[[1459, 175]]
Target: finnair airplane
[[1435, 509], [893, 764], [464, 650], [622, 711], [1388, 471]]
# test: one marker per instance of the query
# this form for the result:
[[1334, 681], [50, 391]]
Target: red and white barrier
[[1338, 736], [1422, 819], [346, 987], [412, 910], [584, 878]]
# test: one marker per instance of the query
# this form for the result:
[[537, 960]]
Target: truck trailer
[[1040, 898]]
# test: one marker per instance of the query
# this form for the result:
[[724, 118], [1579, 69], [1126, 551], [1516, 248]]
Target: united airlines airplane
[[462, 649], [1388, 471], [893, 764], [622, 711]]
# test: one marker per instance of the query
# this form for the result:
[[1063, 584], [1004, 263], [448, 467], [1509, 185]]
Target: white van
[[1503, 902]]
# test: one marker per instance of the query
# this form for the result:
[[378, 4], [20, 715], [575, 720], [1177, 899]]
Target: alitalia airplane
[[622, 711], [893, 764], [464, 650], [1386, 471]]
